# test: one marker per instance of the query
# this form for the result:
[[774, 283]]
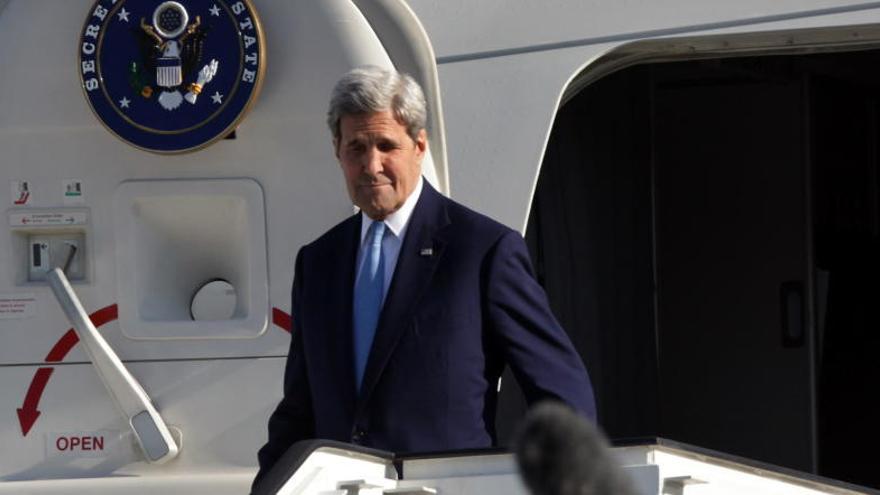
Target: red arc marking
[[282, 320], [28, 412], [66, 343]]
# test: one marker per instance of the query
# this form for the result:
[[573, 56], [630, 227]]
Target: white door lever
[[148, 426]]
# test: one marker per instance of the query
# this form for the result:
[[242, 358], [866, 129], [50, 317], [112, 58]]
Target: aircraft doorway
[[708, 232]]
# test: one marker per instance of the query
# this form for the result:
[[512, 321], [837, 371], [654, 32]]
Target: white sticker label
[[21, 193], [44, 218], [72, 191], [14, 306], [82, 444]]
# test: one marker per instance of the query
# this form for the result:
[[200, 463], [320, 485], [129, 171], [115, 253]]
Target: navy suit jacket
[[462, 304]]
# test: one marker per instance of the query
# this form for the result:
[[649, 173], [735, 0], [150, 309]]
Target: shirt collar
[[397, 221]]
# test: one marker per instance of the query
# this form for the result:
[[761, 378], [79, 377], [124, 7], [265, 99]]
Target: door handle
[[150, 430]]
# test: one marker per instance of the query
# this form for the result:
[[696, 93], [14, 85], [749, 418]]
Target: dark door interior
[[730, 234], [708, 232]]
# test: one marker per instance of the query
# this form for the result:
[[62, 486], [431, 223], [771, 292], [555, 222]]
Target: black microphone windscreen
[[561, 453]]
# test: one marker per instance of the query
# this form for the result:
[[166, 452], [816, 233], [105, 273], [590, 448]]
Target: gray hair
[[371, 89]]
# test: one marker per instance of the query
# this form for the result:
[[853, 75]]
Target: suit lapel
[[415, 268]]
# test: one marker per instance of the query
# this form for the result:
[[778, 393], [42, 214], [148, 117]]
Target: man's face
[[381, 163]]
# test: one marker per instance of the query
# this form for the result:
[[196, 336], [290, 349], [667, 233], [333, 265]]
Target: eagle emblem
[[171, 50], [145, 63]]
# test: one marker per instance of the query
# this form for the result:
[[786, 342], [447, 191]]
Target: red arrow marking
[[28, 413], [63, 346], [282, 320]]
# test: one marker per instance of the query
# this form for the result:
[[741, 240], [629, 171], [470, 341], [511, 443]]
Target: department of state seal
[[171, 76]]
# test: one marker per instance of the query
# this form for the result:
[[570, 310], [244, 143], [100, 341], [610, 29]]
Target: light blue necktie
[[368, 299]]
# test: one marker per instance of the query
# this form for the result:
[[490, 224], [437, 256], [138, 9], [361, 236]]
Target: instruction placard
[[48, 218], [14, 306]]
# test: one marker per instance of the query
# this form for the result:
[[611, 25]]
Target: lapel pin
[[426, 252]]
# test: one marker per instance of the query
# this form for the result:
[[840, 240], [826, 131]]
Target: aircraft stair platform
[[658, 467]]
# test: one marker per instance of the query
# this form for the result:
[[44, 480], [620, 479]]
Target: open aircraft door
[[174, 196]]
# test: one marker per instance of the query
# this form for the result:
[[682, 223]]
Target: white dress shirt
[[396, 224]]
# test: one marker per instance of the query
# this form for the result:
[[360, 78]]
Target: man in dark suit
[[406, 313]]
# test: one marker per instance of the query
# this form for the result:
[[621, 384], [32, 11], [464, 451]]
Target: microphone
[[561, 453]]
